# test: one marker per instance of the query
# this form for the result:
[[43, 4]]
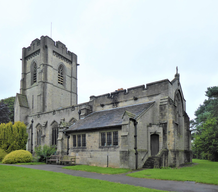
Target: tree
[[13, 137], [205, 127], [10, 103], [207, 142], [4, 113]]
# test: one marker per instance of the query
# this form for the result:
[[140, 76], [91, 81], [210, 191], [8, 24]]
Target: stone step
[[149, 163]]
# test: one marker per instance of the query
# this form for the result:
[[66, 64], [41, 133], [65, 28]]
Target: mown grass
[[21, 179], [204, 172], [31, 163], [95, 169]]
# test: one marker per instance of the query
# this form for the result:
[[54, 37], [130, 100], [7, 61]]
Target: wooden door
[[154, 144]]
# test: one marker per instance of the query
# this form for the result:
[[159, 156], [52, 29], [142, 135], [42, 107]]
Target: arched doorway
[[154, 144]]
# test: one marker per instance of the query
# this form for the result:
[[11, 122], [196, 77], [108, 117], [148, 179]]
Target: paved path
[[122, 178]]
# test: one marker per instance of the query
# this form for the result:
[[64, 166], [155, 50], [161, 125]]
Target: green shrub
[[18, 156], [13, 136], [44, 152], [2, 154]]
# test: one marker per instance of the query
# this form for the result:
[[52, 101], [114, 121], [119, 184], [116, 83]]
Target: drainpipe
[[31, 144], [68, 137], [135, 138]]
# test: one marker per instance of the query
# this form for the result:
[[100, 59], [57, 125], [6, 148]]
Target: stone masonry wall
[[93, 153]]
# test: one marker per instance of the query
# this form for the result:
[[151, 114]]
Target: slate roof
[[108, 118]]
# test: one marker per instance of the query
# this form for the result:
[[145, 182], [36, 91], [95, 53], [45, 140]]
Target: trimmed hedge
[[18, 156], [2, 154]]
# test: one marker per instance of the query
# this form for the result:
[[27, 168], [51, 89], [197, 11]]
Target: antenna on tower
[[51, 31]]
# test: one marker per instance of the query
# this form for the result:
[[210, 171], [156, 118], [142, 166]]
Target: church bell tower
[[49, 78]]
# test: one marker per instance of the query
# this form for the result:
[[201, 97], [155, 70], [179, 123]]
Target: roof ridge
[[121, 107]]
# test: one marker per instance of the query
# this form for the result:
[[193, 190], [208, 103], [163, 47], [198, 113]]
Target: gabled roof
[[108, 118]]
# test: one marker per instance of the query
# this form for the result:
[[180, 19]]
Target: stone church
[[142, 126]]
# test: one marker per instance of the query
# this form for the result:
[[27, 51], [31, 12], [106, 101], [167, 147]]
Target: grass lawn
[[31, 163], [21, 179], [95, 169], [204, 172]]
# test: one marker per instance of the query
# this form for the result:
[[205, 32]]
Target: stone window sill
[[112, 146]]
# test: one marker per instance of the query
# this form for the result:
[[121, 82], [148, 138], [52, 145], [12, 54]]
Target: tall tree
[[4, 113], [13, 136], [205, 127], [10, 103]]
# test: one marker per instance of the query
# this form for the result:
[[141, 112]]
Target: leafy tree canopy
[[4, 113], [10, 103], [205, 125]]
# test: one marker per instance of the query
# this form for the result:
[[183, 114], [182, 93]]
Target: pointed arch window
[[39, 135], [34, 73], [54, 133], [61, 75]]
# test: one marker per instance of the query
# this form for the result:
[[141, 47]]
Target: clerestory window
[[61, 75]]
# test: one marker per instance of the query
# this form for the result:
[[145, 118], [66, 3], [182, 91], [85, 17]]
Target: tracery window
[[61, 75]]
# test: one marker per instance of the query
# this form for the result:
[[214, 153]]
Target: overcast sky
[[119, 43]]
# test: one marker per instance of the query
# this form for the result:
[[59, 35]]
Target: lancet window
[[39, 135], [54, 133], [34, 73]]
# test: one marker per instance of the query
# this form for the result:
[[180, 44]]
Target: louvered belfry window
[[61, 75], [34, 73]]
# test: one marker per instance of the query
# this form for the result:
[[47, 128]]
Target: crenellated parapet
[[122, 92], [58, 49], [135, 95]]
